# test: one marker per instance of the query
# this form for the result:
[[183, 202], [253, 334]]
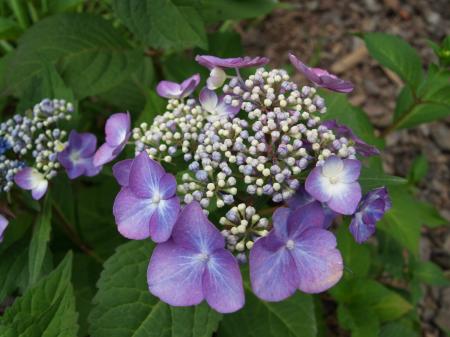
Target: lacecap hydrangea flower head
[[245, 172]]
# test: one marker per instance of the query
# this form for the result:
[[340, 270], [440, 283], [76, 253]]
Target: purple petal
[[164, 218], [361, 230], [189, 85], [303, 68], [133, 214], [117, 128], [27, 178], [351, 171], [90, 170], [121, 171], [318, 186], [332, 166], [222, 283], [84, 143], [167, 186], [208, 99], [318, 262], [303, 218], [104, 154], [75, 170], [211, 62], [280, 221], [273, 274], [193, 230], [168, 89], [39, 191], [175, 275], [216, 79], [227, 110], [3, 224], [144, 176], [345, 198]]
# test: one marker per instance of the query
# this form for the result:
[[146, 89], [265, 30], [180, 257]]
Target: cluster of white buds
[[34, 132], [242, 226], [171, 132]]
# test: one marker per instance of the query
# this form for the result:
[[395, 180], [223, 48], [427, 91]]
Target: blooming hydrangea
[[253, 155]]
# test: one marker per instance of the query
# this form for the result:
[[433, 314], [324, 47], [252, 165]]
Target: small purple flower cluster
[[261, 142]]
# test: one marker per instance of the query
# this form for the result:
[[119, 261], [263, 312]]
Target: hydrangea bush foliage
[[200, 193]]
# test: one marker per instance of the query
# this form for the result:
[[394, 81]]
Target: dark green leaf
[[419, 169], [154, 106], [396, 54], [293, 317], [124, 306], [429, 273], [361, 319], [162, 24], [38, 245], [9, 29], [46, 309], [397, 329], [13, 268]]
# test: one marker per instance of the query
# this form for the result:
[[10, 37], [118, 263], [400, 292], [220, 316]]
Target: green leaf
[[397, 329], [58, 6], [430, 273], [162, 23], [9, 29], [396, 54], [39, 241], [47, 309], [293, 317], [360, 319], [356, 257], [424, 113], [124, 306], [371, 178], [154, 106], [13, 268], [92, 56], [418, 170], [225, 44]]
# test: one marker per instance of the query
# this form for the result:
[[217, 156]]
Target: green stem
[[20, 12]]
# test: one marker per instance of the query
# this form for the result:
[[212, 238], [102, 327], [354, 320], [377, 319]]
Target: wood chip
[[350, 60]]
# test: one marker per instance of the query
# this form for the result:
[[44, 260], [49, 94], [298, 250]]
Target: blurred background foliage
[[106, 56]]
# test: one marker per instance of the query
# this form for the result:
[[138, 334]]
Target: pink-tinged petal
[[227, 110], [345, 198], [144, 177], [164, 218], [305, 217], [332, 167], [39, 191], [280, 220], [216, 78], [193, 230], [90, 169], [133, 215], [175, 275], [189, 85], [360, 229], [121, 171], [168, 89], [3, 224], [318, 186], [117, 128], [337, 84], [318, 262], [273, 274], [222, 283], [208, 100], [351, 171], [104, 154], [27, 178], [84, 143], [167, 186], [303, 68]]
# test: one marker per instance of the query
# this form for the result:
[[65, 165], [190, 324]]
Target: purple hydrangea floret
[[194, 266], [361, 147], [297, 254], [211, 62], [175, 90], [3, 224], [215, 105], [77, 157], [321, 77], [335, 183], [302, 198], [370, 210], [30, 179], [117, 130], [146, 205]]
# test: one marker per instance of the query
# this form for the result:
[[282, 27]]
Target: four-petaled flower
[[78, 155], [146, 206], [216, 106], [3, 224], [117, 130], [370, 210], [175, 90], [361, 147], [194, 266], [335, 183], [321, 77], [297, 254], [30, 179]]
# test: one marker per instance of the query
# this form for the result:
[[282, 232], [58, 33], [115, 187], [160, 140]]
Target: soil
[[320, 33]]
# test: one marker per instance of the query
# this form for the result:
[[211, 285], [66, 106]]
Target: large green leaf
[[396, 54], [39, 241], [430, 273], [124, 306], [162, 23], [356, 257], [13, 268], [360, 319], [92, 56], [47, 309], [293, 317]]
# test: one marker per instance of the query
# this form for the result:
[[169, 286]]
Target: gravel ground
[[320, 32]]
